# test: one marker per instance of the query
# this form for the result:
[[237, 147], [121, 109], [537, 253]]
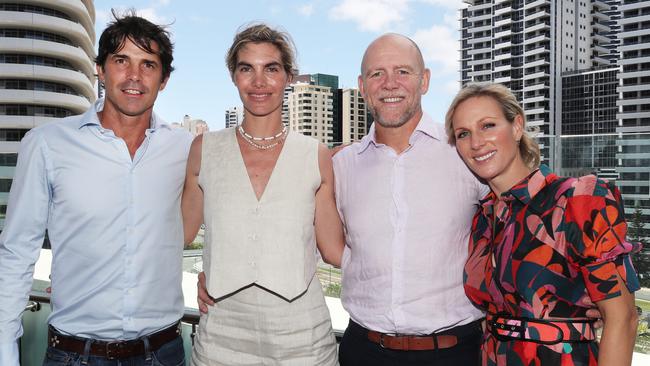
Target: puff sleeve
[[596, 239]]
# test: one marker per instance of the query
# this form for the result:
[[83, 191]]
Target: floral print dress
[[547, 249]]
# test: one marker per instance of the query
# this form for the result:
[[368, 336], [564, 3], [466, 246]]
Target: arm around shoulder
[[192, 201], [329, 229]]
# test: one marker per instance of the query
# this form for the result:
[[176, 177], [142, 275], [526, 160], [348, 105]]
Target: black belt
[[113, 349]]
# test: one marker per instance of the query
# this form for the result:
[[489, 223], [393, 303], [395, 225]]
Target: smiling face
[[132, 78], [393, 80], [488, 142], [260, 79]]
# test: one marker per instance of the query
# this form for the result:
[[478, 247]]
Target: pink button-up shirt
[[407, 222]]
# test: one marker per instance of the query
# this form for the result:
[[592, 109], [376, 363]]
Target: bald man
[[407, 201]]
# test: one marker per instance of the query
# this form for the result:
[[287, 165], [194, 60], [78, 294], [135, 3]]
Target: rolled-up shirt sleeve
[[598, 244], [21, 239]]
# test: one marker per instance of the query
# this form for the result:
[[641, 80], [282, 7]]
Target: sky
[[330, 38]]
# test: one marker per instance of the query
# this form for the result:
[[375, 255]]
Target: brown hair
[[261, 33], [528, 148]]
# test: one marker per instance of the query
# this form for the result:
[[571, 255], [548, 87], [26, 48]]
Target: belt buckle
[[381, 340], [113, 350]]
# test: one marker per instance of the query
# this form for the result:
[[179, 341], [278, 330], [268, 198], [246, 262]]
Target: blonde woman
[[544, 248]]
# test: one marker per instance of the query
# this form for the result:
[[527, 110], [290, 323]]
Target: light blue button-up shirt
[[114, 224]]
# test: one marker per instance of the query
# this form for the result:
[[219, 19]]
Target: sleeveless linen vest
[[270, 242]]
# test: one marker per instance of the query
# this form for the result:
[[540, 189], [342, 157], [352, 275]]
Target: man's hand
[[202, 295], [595, 314]]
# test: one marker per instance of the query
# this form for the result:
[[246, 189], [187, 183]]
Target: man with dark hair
[[106, 185]]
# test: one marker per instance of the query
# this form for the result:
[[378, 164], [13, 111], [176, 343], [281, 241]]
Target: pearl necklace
[[248, 138], [253, 138]]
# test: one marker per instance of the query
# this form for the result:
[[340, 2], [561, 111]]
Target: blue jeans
[[170, 354]]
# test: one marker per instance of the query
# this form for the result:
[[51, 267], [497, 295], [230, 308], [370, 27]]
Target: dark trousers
[[357, 350], [169, 354]]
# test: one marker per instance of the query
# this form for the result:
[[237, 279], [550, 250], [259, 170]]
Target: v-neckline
[[248, 177]]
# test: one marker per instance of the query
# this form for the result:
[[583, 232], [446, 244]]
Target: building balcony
[[633, 60], [480, 6], [637, 19], [633, 33], [534, 3], [537, 27], [534, 86], [503, 79], [502, 45], [600, 38], [481, 50], [473, 74], [67, 28], [479, 40], [75, 103], [482, 28], [502, 22], [502, 68], [597, 26], [503, 11], [479, 62], [540, 62], [536, 99], [480, 18], [597, 15], [633, 74], [601, 5], [76, 56], [502, 56], [502, 34], [628, 88], [535, 51], [537, 15], [536, 39], [74, 79]]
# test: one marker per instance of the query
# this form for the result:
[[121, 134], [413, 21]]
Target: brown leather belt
[[412, 342], [112, 349]]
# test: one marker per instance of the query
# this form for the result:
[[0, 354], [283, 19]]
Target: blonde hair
[[262, 33], [528, 148]]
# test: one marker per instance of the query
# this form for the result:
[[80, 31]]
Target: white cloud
[[451, 4], [439, 46], [306, 10], [153, 15], [372, 15]]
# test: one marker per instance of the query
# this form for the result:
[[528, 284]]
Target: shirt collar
[[90, 117], [425, 126], [524, 191]]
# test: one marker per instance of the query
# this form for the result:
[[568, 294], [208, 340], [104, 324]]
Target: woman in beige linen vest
[[266, 197]]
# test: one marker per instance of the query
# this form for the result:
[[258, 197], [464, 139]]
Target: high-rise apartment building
[[527, 45], [354, 116], [634, 107], [234, 116], [46, 71], [310, 110]]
